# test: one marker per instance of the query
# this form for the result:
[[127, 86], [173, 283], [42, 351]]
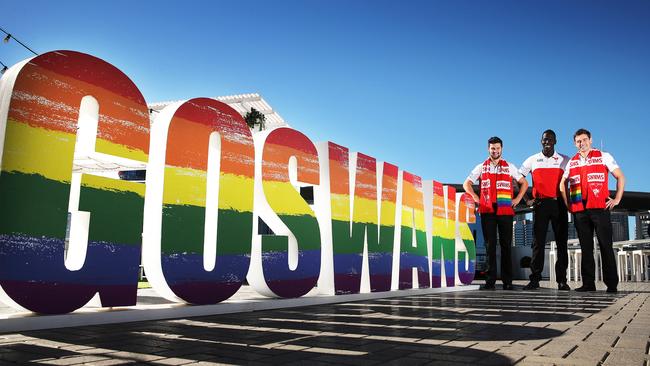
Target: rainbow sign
[[69, 231]]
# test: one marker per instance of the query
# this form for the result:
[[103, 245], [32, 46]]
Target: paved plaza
[[542, 327]]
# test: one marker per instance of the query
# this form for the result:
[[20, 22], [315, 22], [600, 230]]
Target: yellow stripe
[[407, 218], [36, 150], [123, 151], [186, 186], [285, 199], [104, 183], [465, 232], [365, 210], [444, 228]]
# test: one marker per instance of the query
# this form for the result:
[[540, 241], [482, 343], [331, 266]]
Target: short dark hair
[[582, 131], [495, 140], [550, 132]]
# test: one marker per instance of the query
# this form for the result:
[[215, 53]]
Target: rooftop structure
[[242, 103], [88, 161]]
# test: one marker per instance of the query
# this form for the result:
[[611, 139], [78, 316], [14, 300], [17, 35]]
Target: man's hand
[[530, 203], [476, 198], [515, 201], [611, 203]]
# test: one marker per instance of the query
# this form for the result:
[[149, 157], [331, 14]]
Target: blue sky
[[420, 84]]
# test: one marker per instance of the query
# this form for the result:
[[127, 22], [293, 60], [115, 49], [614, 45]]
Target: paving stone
[[452, 328], [586, 352], [173, 361], [633, 342], [109, 362], [625, 357], [541, 360], [74, 360]]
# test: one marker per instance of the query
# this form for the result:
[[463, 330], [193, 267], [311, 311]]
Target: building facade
[[523, 234], [642, 225]]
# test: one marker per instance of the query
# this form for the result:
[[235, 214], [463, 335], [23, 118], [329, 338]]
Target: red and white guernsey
[[547, 173]]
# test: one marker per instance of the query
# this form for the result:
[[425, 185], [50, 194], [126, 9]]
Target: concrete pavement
[[540, 327]]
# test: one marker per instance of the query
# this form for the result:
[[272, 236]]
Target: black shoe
[[562, 286], [532, 285], [487, 286], [508, 287], [585, 288], [612, 290]]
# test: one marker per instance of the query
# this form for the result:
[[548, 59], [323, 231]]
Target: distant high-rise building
[[642, 225], [620, 226], [522, 231]]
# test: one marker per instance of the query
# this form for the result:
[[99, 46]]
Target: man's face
[[583, 143], [495, 151], [548, 143]]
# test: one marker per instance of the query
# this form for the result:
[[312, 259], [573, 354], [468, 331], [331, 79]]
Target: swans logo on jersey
[[503, 185], [485, 184], [575, 179], [596, 177], [595, 161]]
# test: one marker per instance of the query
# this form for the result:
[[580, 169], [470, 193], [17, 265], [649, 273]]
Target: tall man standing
[[547, 168], [496, 208], [589, 201]]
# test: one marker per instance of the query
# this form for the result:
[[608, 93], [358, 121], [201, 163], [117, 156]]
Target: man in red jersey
[[496, 205], [589, 201], [547, 168]]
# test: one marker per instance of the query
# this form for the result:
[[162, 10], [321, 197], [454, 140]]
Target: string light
[[4, 67], [10, 36]]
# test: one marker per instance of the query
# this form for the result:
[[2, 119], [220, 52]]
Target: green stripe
[[441, 244], [183, 230], [115, 216], [305, 228], [36, 206], [344, 243], [406, 238]]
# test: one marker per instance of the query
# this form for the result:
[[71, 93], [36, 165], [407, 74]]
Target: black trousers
[[587, 222], [555, 212], [490, 223]]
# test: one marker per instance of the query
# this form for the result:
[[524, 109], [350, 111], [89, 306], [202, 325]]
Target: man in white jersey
[[547, 168], [588, 199], [496, 206]]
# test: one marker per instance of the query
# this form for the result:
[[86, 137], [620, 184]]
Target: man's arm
[[525, 169], [523, 187], [563, 191], [620, 188], [467, 186]]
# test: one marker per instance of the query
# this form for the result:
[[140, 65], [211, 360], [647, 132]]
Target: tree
[[255, 117]]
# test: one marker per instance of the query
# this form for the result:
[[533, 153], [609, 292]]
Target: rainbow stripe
[[184, 202], [281, 144], [504, 199], [36, 168], [413, 221], [576, 193], [466, 215], [348, 233], [444, 236]]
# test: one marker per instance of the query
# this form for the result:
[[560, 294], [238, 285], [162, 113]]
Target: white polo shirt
[[476, 172], [608, 160], [547, 173]]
